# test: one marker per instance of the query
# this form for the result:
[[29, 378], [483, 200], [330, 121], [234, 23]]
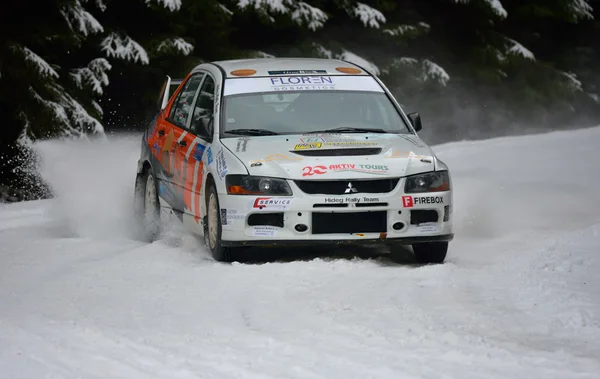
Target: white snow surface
[[518, 297]]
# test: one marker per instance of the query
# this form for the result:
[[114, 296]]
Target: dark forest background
[[472, 68]]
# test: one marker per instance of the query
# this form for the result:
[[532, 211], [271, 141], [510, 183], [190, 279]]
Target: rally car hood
[[333, 156]]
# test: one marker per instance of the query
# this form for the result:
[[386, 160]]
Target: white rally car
[[268, 152]]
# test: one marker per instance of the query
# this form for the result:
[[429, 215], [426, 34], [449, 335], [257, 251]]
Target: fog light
[[398, 225], [301, 228]]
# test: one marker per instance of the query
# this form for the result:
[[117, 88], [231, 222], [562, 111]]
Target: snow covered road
[[519, 296]]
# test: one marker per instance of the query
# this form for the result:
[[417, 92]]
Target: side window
[[181, 107], [203, 109]]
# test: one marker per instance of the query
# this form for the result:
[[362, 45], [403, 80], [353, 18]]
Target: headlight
[[256, 185], [436, 181]]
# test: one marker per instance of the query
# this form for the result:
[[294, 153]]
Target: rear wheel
[[213, 230], [430, 252], [147, 210]]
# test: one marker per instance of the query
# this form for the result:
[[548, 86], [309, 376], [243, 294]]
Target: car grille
[[339, 187], [349, 222]]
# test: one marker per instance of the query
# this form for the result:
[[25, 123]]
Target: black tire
[[218, 252], [146, 207], [430, 252]]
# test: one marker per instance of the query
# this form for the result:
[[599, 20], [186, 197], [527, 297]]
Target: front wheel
[[212, 229], [430, 252]]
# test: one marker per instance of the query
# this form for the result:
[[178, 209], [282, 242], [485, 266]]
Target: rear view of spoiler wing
[[168, 88]]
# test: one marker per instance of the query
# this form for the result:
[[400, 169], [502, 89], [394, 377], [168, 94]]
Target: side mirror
[[415, 120]]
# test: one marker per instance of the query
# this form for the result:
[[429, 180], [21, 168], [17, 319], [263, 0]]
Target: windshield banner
[[301, 83]]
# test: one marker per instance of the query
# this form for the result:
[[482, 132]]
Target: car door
[[193, 159], [175, 139]]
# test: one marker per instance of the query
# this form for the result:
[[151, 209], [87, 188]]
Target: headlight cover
[[256, 185], [436, 181]]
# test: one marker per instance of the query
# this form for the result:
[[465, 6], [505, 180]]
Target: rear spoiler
[[168, 88]]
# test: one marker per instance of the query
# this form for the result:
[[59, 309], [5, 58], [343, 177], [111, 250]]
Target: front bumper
[[365, 241], [360, 218]]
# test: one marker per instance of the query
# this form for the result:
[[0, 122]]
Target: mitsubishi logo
[[350, 189]]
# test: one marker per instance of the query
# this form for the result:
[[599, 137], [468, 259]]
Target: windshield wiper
[[253, 132], [349, 130]]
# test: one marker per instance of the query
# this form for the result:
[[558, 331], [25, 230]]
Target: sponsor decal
[[301, 83], [314, 170], [428, 227], [298, 83], [296, 72], [363, 168], [351, 200], [229, 216], [332, 140], [275, 157], [312, 139], [350, 143], [217, 98], [166, 193], [429, 200], [404, 154], [209, 156], [199, 152], [311, 145], [151, 130], [242, 143], [447, 212], [321, 134], [156, 148], [221, 164], [223, 216], [264, 231], [272, 203], [410, 201], [300, 80]]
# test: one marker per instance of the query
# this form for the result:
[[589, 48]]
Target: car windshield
[[294, 112]]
